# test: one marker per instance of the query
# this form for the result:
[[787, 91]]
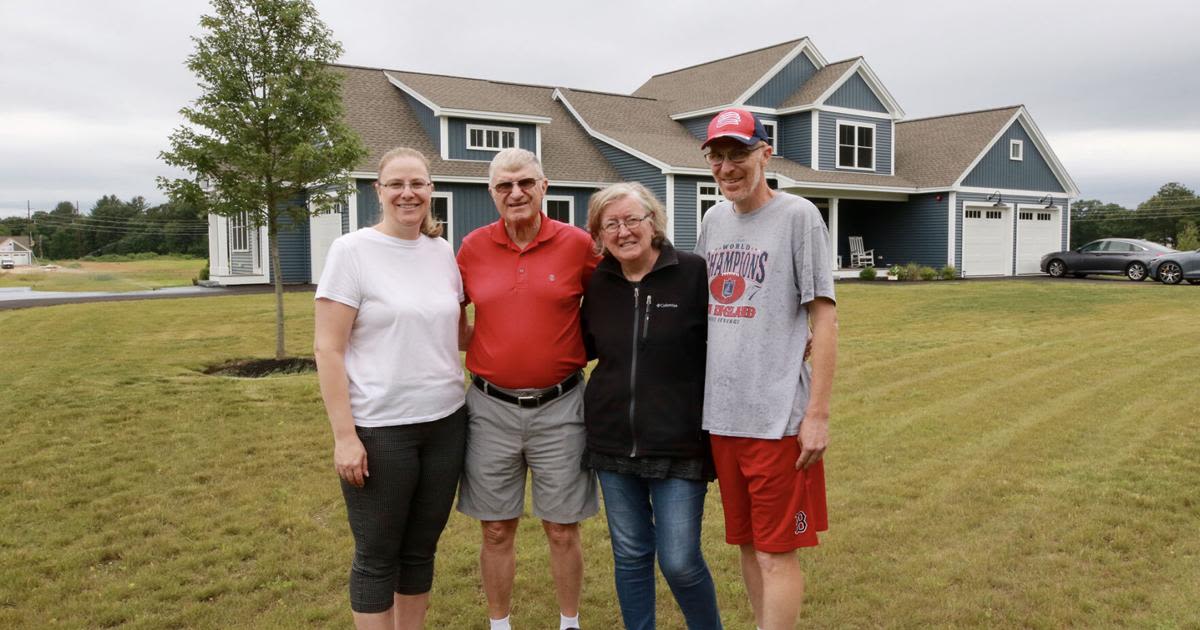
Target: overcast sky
[[89, 91]]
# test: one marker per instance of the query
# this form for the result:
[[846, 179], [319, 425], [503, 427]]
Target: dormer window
[[771, 128], [488, 138], [1016, 150], [856, 146]]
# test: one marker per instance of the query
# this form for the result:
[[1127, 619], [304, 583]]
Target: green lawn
[[1005, 454], [84, 275]]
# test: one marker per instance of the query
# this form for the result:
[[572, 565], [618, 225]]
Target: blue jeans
[[648, 517]]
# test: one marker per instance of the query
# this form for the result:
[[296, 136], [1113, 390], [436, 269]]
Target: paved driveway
[[25, 297]]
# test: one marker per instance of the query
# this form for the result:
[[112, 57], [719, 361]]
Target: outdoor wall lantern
[[1049, 202], [999, 199]]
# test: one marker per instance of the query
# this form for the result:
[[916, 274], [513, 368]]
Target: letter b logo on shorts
[[801, 522]]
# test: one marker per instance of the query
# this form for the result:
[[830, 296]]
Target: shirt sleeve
[[811, 259], [340, 279]]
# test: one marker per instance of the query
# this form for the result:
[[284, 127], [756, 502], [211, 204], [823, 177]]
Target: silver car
[[1176, 267], [1130, 257]]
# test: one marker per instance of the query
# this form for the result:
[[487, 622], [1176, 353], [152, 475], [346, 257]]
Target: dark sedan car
[[1176, 267], [1129, 257]]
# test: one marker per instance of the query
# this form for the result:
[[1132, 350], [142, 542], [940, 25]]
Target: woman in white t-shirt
[[388, 326]]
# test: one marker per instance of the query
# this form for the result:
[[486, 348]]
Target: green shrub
[[948, 273], [867, 273], [894, 271], [927, 273], [204, 271], [911, 272]]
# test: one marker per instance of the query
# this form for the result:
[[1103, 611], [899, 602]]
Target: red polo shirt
[[527, 331]]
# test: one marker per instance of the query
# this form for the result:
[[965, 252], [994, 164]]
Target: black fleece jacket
[[645, 396]]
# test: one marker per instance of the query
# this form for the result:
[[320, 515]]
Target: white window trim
[[567, 198], [774, 125], [243, 228], [449, 197], [1019, 154], [486, 128], [837, 145], [702, 197]]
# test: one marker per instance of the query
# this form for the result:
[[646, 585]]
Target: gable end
[[856, 94], [997, 170]]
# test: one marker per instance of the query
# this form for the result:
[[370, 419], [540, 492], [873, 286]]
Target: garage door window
[[995, 214]]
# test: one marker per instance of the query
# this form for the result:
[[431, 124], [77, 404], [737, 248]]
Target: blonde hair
[[430, 226], [633, 190]]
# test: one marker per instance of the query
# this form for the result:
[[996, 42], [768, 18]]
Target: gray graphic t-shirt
[[764, 267]]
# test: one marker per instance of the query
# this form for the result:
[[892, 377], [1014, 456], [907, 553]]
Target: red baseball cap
[[738, 124]]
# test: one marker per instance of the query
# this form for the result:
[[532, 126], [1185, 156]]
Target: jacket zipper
[[633, 373]]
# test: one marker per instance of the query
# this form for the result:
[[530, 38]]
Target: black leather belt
[[533, 399]]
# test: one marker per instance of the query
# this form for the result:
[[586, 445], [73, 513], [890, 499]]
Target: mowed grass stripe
[[971, 485]]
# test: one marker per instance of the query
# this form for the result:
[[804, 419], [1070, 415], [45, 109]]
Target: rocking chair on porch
[[858, 256]]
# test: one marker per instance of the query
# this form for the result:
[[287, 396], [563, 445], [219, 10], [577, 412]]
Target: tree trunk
[[277, 272]]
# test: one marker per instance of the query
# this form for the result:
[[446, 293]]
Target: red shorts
[[767, 501]]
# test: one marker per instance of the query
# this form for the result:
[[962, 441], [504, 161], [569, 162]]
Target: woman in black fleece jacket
[[645, 319]]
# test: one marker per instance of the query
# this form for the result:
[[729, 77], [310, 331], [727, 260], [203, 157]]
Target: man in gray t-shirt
[[770, 290]]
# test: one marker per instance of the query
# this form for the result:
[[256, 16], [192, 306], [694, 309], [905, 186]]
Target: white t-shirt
[[402, 360]]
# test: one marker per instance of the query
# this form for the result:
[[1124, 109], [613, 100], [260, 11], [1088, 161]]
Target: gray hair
[[512, 159], [650, 204]]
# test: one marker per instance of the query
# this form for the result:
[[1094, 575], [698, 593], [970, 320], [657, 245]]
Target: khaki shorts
[[505, 440]]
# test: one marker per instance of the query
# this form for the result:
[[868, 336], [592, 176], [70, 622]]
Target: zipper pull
[[635, 297], [646, 323]]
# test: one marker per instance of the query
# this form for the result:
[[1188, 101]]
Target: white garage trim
[[987, 239]]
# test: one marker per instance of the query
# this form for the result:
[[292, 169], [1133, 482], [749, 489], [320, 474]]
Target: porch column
[[833, 230]]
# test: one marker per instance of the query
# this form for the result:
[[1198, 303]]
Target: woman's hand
[[350, 460]]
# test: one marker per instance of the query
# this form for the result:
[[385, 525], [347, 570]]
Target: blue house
[[982, 191]]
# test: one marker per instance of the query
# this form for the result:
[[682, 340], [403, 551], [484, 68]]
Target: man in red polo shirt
[[526, 273]]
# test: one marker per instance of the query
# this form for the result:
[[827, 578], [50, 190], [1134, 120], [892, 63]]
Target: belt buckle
[[529, 402]]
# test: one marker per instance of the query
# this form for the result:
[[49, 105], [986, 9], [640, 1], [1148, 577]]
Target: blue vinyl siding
[[472, 207], [457, 132], [785, 83], [686, 211], [828, 144], [795, 137], [698, 126], [856, 94], [632, 169], [295, 253], [581, 196], [345, 218], [428, 121], [996, 170], [899, 232]]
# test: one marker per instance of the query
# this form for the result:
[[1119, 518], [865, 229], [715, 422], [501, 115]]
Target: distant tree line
[[1170, 217], [113, 226]]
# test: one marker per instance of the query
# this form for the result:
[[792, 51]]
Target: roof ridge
[[727, 58], [445, 76], [977, 111], [603, 93], [847, 59]]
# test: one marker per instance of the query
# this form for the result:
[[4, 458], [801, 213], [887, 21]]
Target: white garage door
[[1039, 232], [987, 241]]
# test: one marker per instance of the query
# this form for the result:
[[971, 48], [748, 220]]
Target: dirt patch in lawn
[[260, 368]]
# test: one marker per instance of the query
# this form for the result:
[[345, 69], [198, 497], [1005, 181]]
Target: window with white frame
[[856, 146], [1026, 216], [488, 138], [1016, 150], [1043, 216], [440, 205], [772, 129], [707, 196], [239, 236], [973, 214], [560, 208]]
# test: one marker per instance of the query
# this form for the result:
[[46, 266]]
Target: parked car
[[1176, 267], [1129, 257], [7, 263]]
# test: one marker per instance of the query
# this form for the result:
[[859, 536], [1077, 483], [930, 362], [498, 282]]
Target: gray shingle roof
[[383, 118], [933, 152], [714, 83], [816, 85]]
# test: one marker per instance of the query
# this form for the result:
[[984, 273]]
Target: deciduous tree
[[266, 136]]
